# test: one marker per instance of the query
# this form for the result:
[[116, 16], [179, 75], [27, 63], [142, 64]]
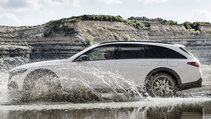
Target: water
[[192, 103], [151, 108], [3, 87]]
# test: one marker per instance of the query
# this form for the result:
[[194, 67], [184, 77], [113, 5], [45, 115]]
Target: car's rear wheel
[[41, 85], [161, 85]]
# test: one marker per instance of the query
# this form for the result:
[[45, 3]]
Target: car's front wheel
[[161, 85], [41, 85]]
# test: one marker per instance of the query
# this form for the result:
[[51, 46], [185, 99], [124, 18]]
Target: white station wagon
[[161, 68]]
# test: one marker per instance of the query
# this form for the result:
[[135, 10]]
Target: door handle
[[146, 64]]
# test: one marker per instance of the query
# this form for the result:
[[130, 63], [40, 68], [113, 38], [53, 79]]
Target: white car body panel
[[132, 69], [135, 70]]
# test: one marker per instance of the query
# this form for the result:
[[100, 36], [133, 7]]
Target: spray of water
[[108, 85], [7, 63], [103, 86], [3, 87]]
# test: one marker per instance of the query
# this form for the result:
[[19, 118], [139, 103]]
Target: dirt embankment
[[56, 41]]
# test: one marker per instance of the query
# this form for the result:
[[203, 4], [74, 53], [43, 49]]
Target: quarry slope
[[62, 40]]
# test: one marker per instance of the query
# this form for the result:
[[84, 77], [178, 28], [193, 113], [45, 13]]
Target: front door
[[97, 70]]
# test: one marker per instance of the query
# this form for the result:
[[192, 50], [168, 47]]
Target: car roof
[[143, 42]]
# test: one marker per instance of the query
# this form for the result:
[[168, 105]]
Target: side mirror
[[82, 58]]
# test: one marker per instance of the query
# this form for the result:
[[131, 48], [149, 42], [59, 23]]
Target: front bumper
[[189, 85]]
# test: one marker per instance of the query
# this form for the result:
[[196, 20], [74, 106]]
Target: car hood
[[40, 64]]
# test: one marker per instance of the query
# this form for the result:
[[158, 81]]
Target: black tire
[[161, 85], [41, 85]]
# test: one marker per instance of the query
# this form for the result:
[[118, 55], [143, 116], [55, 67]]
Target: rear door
[[135, 61]]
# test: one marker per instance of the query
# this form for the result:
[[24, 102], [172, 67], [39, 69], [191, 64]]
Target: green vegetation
[[134, 23], [146, 24], [193, 28], [198, 32], [133, 39], [127, 37], [192, 31], [74, 19], [187, 25], [170, 22], [89, 17], [139, 24], [88, 41]]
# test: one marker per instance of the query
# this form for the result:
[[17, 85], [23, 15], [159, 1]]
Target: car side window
[[150, 52], [131, 51], [167, 53], [101, 53]]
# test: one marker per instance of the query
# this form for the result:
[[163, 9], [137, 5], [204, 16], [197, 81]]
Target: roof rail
[[138, 41]]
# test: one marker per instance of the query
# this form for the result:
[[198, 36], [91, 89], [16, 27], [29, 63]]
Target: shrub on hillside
[[192, 31], [133, 39], [187, 25], [88, 41], [198, 32], [127, 37], [170, 22], [195, 25]]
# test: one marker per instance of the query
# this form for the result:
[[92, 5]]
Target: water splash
[[105, 83], [3, 87], [7, 63], [109, 86]]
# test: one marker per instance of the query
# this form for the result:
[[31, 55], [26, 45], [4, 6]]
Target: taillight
[[193, 64]]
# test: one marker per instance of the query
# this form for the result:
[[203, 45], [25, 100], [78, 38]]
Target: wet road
[[150, 108]]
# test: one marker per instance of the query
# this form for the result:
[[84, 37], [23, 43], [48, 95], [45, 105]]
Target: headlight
[[16, 72]]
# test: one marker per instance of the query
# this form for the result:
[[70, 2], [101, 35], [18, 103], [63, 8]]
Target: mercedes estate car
[[162, 68]]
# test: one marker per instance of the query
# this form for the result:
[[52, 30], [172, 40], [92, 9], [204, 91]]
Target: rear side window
[[131, 51], [167, 53], [150, 52]]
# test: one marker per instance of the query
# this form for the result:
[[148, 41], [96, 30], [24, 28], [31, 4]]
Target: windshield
[[86, 49]]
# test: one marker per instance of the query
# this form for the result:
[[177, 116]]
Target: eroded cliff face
[[58, 41], [199, 45]]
